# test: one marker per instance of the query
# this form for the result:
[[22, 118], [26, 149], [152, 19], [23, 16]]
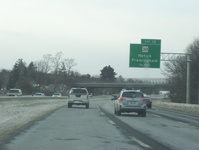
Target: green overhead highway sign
[[150, 41], [145, 55]]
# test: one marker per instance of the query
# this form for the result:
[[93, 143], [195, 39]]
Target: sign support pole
[[188, 80]]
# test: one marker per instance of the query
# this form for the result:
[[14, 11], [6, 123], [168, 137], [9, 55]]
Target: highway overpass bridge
[[111, 88], [122, 85]]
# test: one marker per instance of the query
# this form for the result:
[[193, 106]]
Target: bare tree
[[56, 62], [68, 64], [45, 64], [55, 70]]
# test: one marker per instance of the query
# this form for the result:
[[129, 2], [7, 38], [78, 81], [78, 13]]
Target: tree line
[[56, 72], [176, 75]]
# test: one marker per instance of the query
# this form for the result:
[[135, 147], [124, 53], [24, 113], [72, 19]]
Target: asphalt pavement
[[98, 128], [75, 128]]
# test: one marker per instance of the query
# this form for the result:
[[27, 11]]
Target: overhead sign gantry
[[148, 55]]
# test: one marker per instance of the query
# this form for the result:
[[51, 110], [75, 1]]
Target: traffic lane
[[177, 135], [140, 138], [75, 128]]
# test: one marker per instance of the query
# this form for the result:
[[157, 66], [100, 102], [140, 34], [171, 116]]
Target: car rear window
[[132, 95], [79, 91], [13, 91]]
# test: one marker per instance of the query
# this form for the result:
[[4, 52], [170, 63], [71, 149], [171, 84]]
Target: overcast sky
[[96, 33]]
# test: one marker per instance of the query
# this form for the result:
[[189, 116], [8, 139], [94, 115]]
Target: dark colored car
[[148, 102], [114, 97]]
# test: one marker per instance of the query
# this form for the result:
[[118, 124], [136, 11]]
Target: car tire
[[144, 113], [87, 105], [114, 111], [118, 113], [69, 105]]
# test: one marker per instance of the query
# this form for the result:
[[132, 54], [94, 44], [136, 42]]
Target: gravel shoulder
[[17, 113]]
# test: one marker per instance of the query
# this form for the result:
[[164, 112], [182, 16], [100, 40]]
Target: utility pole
[[198, 93], [188, 79]]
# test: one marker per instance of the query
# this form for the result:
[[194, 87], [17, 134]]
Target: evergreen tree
[[108, 74]]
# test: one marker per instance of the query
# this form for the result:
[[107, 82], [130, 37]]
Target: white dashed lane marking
[[111, 122], [140, 142]]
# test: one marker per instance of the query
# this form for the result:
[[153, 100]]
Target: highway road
[[97, 128]]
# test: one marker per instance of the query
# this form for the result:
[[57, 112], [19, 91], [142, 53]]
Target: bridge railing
[[130, 81]]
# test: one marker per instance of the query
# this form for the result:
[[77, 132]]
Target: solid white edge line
[[157, 115], [140, 142]]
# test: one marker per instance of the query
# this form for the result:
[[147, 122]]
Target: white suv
[[14, 92], [78, 96]]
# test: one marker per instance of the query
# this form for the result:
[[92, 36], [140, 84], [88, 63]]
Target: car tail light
[[143, 99], [121, 99]]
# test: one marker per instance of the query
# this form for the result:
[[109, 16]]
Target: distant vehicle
[[14, 92], [78, 96], [130, 101], [57, 95], [39, 94], [148, 101], [91, 94], [114, 97]]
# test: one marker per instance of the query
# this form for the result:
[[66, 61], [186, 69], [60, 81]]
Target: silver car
[[78, 96], [38, 94], [130, 101], [57, 95]]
